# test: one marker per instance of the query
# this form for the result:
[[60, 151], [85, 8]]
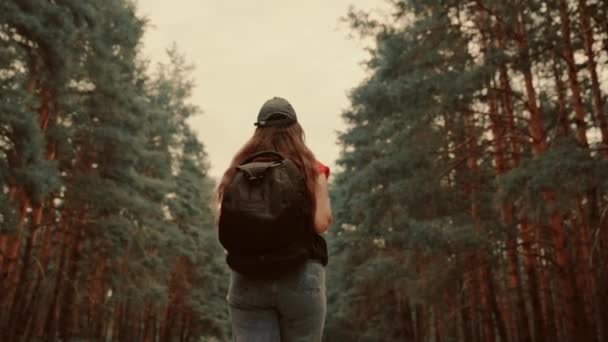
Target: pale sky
[[246, 52]]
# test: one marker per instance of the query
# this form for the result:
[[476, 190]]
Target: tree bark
[[498, 317], [596, 92], [549, 316], [68, 308], [50, 325], [16, 319], [568, 55], [564, 121], [506, 216]]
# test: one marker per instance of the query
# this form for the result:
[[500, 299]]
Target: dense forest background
[[471, 202], [107, 230]]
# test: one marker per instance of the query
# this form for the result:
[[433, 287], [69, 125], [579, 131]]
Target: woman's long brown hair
[[288, 141]]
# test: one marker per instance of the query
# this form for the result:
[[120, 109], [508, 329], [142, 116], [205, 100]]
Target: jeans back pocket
[[312, 278]]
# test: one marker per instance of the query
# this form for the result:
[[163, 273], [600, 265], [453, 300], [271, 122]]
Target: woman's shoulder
[[322, 168]]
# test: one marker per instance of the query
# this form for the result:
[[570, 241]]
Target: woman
[[290, 306]]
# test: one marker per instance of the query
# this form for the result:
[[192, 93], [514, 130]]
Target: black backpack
[[265, 221]]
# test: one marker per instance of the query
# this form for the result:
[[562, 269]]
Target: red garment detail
[[322, 168]]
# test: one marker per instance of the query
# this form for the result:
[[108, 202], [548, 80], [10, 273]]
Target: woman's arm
[[322, 218]]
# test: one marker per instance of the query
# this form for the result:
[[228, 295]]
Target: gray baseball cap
[[276, 112]]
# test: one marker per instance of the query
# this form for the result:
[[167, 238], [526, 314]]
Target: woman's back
[[288, 305]]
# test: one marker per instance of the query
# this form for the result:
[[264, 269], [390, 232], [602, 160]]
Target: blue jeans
[[288, 309]]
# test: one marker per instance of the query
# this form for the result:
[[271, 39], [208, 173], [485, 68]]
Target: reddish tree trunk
[[420, 323], [50, 325], [68, 315], [183, 329], [568, 55], [572, 313], [14, 244], [549, 317], [530, 251], [564, 121], [465, 312], [16, 319], [407, 325], [437, 324], [585, 279], [596, 92], [506, 215], [498, 317], [116, 319], [149, 334], [31, 308]]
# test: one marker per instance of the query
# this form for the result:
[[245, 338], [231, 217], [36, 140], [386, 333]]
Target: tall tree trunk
[[524, 331], [506, 215], [183, 326], [404, 312], [596, 92], [68, 312], [14, 244], [527, 232], [600, 117], [96, 294], [564, 121], [480, 258], [44, 258], [437, 324], [498, 317], [149, 310], [9, 267], [420, 315], [116, 319], [549, 317], [583, 324], [50, 324], [572, 313], [584, 276], [465, 312], [16, 320], [568, 55]]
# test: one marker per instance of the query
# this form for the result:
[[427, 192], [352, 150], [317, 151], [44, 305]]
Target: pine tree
[[460, 170], [105, 195]]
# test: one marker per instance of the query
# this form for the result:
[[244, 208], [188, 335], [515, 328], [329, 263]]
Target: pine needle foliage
[[106, 224], [471, 205]]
